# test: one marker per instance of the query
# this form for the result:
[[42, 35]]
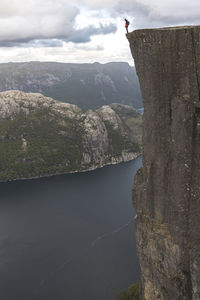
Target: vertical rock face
[[166, 192]]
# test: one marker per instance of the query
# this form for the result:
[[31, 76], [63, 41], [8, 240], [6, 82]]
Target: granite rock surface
[[166, 192]]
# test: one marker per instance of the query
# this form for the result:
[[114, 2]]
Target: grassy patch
[[47, 151], [133, 293]]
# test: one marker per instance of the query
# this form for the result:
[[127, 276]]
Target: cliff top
[[164, 29], [156, 34]]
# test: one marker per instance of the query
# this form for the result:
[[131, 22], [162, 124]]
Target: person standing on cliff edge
[[126, 24]]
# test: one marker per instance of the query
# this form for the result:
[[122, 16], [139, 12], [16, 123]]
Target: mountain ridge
[[86, 85]]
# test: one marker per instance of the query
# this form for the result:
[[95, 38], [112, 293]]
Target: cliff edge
[[166, 192]]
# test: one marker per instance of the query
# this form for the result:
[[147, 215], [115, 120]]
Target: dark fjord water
[[68, 237]]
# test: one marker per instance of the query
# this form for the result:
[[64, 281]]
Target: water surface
[[68, 237]]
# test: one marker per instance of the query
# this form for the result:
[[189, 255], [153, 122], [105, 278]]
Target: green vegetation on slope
[[37, 144], [40, 136], [131, 294], [119, 142]]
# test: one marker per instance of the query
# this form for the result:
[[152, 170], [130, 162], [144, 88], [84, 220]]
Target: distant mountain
[[88, 85], [40, 136]]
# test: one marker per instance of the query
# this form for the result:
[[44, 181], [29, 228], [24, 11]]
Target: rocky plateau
[[40, 136]]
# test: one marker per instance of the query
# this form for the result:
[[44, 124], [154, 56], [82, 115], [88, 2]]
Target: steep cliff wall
[[166, 192]]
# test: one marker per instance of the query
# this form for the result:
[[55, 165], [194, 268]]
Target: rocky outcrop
[[40, 136], [166, 191]]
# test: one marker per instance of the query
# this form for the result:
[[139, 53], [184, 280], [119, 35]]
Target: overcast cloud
[[25, 21], [58, 29], [150, 13], [75, 35]]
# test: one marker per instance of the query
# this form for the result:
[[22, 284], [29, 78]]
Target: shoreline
[[118, 161]]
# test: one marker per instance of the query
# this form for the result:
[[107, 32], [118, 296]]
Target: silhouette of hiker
[[126, 24]]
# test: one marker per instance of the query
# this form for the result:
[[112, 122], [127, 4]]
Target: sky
[[83, 31]]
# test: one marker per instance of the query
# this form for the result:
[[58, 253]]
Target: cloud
[[22, 21], [32, 43], [150, 13], [84, 35], [166, 13], [76, 36], [46, 23], [49, 23]]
